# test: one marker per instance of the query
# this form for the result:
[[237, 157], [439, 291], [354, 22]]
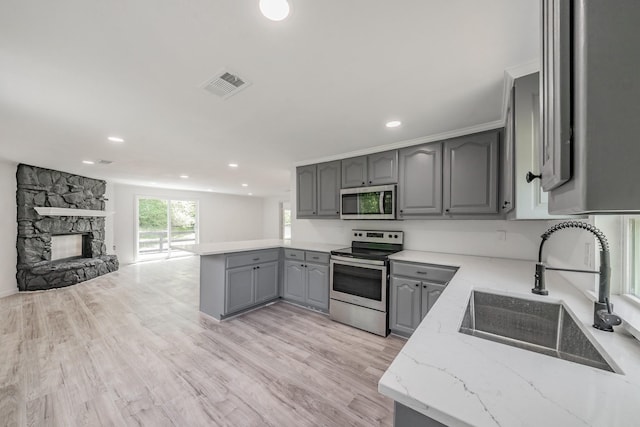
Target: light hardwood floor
[[131, 348]]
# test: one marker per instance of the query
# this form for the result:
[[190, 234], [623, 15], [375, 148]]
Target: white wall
[[223, 217], [8, 228]]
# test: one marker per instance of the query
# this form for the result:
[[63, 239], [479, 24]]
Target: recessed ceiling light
[[393, 123], [115, 139], [233, 165], [251, 194], [88, 162], [275, 10], [245, 185], [184, 176], [153, 183], [209, 189]]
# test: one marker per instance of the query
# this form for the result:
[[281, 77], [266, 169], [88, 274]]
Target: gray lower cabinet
[[404, 416], [318, 285], [420, 181], [405, 306], [294, 278], [249, 285], [307, 282], [414, 289], [471, 174]]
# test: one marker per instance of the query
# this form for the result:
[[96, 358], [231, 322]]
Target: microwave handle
[[381, 202]]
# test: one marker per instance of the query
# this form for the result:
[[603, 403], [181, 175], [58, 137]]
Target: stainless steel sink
[[543, 327]]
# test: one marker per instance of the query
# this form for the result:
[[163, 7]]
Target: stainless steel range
[[360, 280]]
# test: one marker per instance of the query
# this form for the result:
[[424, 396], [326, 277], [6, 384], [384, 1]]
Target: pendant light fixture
[[275, 10]]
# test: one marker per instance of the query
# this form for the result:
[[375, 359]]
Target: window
[[633, 255], [162, 223], [285, 220]]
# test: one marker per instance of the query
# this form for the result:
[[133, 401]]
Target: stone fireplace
[[78, 233]]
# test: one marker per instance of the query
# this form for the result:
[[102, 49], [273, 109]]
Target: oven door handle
[[364, 263]]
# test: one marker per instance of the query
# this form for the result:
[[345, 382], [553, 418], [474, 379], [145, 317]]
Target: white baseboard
[[8, 292]]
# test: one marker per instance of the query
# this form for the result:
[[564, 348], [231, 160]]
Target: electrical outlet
[[502, 235], [114, 247]]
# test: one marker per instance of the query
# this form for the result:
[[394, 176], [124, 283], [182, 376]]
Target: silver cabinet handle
[[421, 272], [257, 259]]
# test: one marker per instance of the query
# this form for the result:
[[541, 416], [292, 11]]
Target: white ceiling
[[324, 82]]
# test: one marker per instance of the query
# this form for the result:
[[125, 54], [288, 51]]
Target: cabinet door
[[430, 294], [471, 174], [329, 189], [556, 93], [318, 286], [266, 278], [383, 168], [404, 304], [306, 191], [239, 289], [507, 161], [354, 172], [420, 183], [294, 281]]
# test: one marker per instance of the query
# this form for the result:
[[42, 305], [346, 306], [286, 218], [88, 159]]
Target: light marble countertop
[[462, 380], [254, 245]]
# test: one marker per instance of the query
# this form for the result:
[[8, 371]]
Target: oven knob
[[390, 235], [355, 234], [396, 236], [360, 234]]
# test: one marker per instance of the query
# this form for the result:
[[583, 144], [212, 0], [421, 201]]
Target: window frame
[[628, 242]]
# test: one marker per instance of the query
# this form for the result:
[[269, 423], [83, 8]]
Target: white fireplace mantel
[[47, 211]]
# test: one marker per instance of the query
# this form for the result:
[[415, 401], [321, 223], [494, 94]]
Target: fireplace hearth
[[81, 260]]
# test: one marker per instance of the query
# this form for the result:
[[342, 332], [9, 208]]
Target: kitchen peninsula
[[239, 276]]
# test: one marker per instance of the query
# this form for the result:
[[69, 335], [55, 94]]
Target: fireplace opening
[[67, 246]]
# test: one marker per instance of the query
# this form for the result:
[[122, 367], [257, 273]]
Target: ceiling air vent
[[105, 162], [225, 84]]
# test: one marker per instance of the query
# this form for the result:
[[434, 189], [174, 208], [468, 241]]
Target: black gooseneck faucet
[[603, 316]]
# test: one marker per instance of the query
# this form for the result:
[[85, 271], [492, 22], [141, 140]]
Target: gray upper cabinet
[[557, 60], [328, 176], [471, 174], [354, 172], [374, 169], [382, 168], [420, 180], [507, 161], [306, 186]]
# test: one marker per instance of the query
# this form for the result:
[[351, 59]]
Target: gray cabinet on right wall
[[471, 174], [420, 180]]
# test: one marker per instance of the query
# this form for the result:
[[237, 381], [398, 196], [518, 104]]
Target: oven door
[[359, 281]]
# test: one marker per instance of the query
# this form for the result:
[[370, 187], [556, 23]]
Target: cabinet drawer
[[294, 254], [317, 257], [247, 258], [436, 273]]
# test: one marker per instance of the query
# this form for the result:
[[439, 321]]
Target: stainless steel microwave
[[377, 202]]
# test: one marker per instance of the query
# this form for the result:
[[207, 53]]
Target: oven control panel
[[378, 236]]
